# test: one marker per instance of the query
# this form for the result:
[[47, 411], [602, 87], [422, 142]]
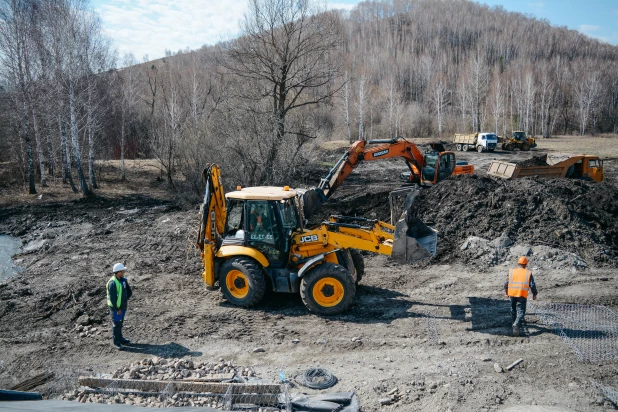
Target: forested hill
[[461, 66], [296, 75]]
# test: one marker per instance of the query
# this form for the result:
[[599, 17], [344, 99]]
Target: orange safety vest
[[519, 282]]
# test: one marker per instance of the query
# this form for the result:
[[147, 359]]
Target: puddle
[[8, 247]]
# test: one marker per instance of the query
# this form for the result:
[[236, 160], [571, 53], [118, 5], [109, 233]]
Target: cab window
[[234, 216], [447, 165], [289, 214], [593, 163], [261, 222]]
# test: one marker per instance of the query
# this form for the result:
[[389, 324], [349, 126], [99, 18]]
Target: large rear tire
[[525, 147], [459, 147], [242, 281], [465, 148], [327, 289], [359, 264]]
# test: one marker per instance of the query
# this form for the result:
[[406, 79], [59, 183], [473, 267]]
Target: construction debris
[[512, 365]]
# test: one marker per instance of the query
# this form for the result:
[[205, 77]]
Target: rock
[[474, 242], [386, 401], [498, 368], [520, 250], [392, 391], [501, 242], [83, 320], [258, 350], [296, 341]]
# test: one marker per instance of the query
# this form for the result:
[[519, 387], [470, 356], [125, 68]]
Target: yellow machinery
[[254, 238], [518, 141], [583, 167]]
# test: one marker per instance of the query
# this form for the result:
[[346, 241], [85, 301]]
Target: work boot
[[515, 329]]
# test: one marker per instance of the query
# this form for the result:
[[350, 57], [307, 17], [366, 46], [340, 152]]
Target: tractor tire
[[524, 147], [242, 281], [459, 147], [327, 289], [359, 264], [465, 148], [479, 149], [509, 147]]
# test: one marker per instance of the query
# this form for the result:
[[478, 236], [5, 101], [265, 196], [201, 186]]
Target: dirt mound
[[540, 160], [571, 215]]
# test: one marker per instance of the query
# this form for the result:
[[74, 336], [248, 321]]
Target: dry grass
[[604, 146], [143, 176]]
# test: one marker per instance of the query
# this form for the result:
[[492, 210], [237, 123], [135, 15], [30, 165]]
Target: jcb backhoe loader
[[254, 238]]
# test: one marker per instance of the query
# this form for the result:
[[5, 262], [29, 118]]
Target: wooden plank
[[178, 386]]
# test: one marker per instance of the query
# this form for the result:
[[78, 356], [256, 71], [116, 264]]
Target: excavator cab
[[437, 167]]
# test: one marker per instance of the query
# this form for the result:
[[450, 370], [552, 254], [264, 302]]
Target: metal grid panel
[[590, 330]]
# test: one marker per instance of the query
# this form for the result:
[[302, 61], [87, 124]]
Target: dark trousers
[[518, 310], [117, 321]]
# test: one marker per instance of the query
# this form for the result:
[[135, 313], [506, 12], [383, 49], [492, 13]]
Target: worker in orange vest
[[517, 286]]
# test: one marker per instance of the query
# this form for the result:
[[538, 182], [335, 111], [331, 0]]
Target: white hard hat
[[118, 267]]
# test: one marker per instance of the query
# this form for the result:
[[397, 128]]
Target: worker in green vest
[[118, 293]]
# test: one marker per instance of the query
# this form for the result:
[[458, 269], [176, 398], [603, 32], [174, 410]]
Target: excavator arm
[[212, 220], [421, 173], [385, 149]]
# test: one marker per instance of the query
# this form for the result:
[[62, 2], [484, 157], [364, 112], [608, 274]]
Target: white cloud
[[341, 6], [587, 28], [152, 26]]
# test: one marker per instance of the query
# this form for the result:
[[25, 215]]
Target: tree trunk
[[123, 175], [75, 143], [39, 149], [91, 174], [31, 187]]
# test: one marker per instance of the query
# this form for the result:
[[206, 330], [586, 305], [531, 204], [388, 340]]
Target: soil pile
[[540, 160], [571, 215]]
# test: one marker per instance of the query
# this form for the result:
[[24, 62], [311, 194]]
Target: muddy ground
[[434, 331]]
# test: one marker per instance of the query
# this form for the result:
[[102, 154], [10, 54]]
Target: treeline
[[256, 104]]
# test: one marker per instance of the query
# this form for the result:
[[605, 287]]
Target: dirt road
[[434, 331]]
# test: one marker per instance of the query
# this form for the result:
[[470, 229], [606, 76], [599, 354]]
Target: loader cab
[[437, 167], [262, 218]]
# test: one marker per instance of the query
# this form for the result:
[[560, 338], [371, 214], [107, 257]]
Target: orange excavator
[[425, 169]]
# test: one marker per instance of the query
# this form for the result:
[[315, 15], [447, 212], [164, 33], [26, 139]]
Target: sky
[[147, 28]]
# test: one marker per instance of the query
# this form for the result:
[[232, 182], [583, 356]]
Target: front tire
[[479, 149], [242, 281], [327, 289], [359, 264]]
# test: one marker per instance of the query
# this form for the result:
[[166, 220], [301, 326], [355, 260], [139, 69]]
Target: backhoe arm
[[212, 220]]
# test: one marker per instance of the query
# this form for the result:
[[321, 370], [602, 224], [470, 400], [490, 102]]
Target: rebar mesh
[[590, 330]]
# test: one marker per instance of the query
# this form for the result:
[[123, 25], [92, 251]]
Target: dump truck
[[480, 142], [256, 238], [559, 165], [518, 140]]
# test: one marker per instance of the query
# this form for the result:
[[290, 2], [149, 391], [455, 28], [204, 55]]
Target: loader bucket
[[503, 170], [413, 240]]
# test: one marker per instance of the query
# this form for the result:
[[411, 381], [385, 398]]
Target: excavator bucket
[[414, 241]]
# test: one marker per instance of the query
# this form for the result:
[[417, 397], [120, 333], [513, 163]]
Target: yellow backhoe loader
[[255, 238]]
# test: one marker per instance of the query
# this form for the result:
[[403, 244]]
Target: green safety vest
[[118, 292]]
